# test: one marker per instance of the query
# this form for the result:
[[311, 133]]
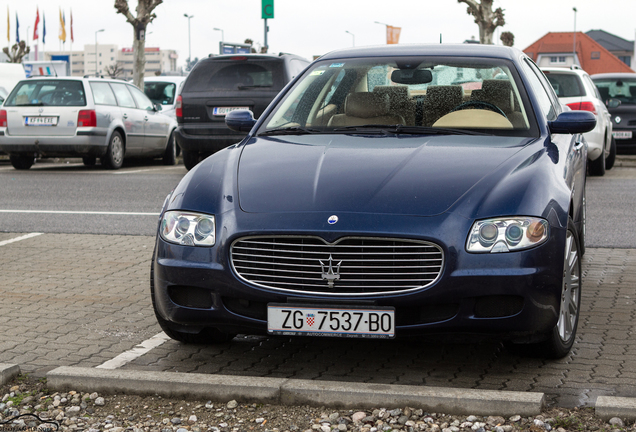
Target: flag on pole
[[43, 28], [8, 26], [62, 35], [72, 40], [17, 28], [392, 34], [36, 34]]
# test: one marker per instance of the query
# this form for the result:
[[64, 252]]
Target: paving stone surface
[[83, 299]]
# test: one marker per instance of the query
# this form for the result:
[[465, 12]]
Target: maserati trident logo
[[330, 275]]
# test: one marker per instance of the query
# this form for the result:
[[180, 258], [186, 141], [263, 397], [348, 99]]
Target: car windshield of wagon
[[415, 93], [47, 93], [623, 89]]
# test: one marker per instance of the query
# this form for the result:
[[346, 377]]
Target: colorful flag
[[72, 40], [17, 28], [36, 34], [62, 35], [392, 34], [43, 29]]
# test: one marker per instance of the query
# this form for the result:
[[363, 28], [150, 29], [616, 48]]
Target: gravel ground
[[75, 411]]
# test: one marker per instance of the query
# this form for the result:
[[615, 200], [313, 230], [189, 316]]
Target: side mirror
[[240, 120], [573, 122], [157, 106], [613, 103]]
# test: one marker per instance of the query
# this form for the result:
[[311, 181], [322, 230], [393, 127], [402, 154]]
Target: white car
[[575, 88], [83, 117], [163, 90]]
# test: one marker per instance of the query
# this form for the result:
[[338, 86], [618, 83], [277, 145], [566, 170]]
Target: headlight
[[187, 228], [506, 234]]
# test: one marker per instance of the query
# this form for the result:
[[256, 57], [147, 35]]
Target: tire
[[114, 157], [609, 162], [560, 339], [190, 159], [597, 167], [170, 155], [89, 161], [207, 336], [22, 161]]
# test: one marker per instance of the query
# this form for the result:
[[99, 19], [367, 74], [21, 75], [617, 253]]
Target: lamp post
[[222, 39], [98, 31], [189, 45], [386, 27], [574, 38], [353, 36]]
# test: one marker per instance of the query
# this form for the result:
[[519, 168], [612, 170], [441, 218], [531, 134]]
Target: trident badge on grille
[[330, 275]]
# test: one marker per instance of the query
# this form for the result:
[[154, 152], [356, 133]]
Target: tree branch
[[122, 8]]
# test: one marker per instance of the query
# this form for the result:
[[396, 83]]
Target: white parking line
[[81, 212], [134, 353], [24, 237]]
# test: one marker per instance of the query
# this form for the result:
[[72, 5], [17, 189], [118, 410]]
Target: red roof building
[[556, 49]]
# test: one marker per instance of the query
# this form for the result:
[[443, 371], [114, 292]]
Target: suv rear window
[[566, 85], [47, 93], [227, 75]]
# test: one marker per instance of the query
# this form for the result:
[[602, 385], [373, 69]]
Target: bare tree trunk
[[139, 60], [485, 18]]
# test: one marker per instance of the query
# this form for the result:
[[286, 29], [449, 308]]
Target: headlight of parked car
[[506, 234], [188, 228]]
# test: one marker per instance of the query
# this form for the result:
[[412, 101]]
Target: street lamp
[[222, 39], [189, 46], [574, 38], [98, 31], [386, 28], [353, 36]]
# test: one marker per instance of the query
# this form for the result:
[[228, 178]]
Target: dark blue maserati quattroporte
[[386, 192]]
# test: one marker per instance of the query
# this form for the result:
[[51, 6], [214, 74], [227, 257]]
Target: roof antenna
[[440, 38]]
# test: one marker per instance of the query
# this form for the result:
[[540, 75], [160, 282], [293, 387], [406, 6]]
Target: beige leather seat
[[366, 108], [400, 102]]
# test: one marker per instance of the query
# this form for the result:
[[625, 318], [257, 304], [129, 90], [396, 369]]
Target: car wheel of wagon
[[170, 155], [190, 159], [89, 160], [206, 336], [597, 167], [114, 157], [22, 161], [609, 162]]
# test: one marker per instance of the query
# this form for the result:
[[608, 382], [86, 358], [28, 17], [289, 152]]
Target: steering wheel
[[476, 104]]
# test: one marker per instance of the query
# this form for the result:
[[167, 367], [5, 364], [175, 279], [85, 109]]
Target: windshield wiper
[[295, 130], [407, 130]]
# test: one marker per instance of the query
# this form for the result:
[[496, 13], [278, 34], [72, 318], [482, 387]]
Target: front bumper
[[511, 295]]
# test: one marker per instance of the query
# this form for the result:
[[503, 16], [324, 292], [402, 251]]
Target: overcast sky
[[313, 27]]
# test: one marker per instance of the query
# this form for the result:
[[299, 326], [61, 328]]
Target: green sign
[[267, 9]]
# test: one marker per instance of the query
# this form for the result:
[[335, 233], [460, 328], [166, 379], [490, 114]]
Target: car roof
[[167, 78], [459, 50], [253, 56], [615, 75]]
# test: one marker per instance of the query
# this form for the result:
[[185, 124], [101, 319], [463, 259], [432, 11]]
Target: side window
[[545, 103], [296, 67], [124, 98], [103, 94], [142, 100]]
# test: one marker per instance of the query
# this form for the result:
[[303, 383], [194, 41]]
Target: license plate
[[221, 111], [373, 322], [40, 121], [622, 134]]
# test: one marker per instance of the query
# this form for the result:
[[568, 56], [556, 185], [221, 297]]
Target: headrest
[[498, 92], [396, 91], [366, 105], [444, 96]]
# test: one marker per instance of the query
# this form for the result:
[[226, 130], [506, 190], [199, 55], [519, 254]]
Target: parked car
[[618, 90], [376, 198], [218, 85], [83, 117], [163, 90], [575, 89]]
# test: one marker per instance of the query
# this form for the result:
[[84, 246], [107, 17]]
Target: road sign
[[267, 9]]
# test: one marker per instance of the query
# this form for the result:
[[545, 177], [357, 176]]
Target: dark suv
[[219, 85]]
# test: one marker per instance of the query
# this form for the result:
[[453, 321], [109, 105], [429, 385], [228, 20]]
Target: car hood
[[408, 175]]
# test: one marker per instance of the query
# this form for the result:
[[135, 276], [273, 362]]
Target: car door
[[155, 124], [132, 117]]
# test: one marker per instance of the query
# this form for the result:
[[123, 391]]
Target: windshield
[[623, 89], [161, 93], [423, 92], [47, 93]]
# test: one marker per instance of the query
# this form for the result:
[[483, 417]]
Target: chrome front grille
[[351, 266]]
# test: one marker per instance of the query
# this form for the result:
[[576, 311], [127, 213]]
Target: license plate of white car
[[373, 322], [40, 121], [221, 111], [622, 134]]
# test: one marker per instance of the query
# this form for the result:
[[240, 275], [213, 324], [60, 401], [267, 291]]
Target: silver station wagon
[[89, 118]]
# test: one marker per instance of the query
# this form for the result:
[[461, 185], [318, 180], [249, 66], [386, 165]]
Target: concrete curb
[[611, 406], [8, 372], [295, 392]]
